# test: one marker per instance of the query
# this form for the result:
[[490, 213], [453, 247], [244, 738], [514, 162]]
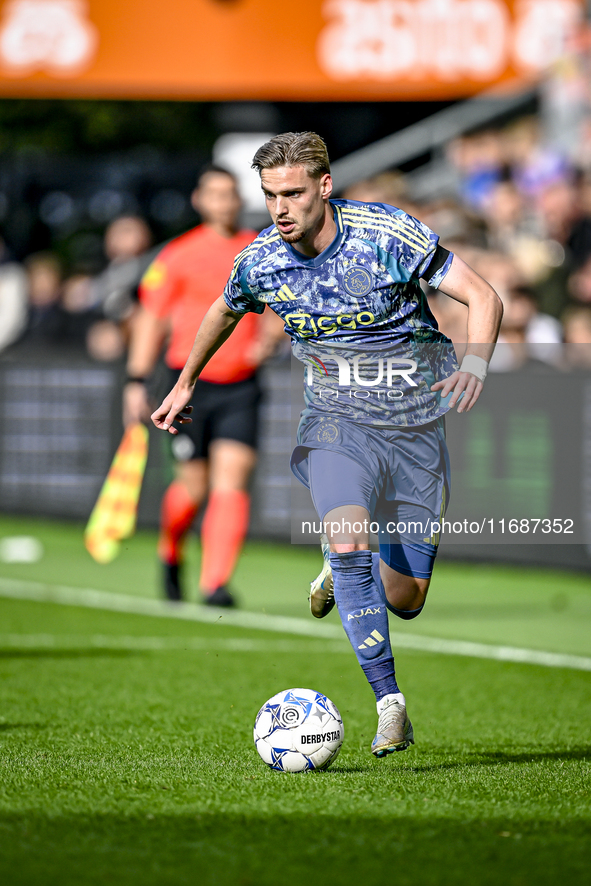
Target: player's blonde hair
[[305, 149]]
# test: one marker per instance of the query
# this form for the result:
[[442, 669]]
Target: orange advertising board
[[263, 49]]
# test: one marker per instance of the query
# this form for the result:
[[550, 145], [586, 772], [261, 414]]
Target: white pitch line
[[66, 642], [95, 599], [486, 650]]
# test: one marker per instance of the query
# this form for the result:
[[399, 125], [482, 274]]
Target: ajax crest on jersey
[[298, 730], [357, 281]]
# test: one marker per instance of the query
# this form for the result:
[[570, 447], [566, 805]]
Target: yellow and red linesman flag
[[114, 514]]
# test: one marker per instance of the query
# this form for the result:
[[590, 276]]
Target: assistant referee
[[216, 453]]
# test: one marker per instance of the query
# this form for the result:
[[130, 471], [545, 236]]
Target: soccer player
[[344, 277], [216, 453]]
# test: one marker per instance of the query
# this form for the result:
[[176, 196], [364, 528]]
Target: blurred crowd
[[520, 216], [42, 307]]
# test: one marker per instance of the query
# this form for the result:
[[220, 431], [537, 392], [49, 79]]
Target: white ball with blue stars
[[298, 730]]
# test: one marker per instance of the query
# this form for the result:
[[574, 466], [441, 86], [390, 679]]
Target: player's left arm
[[485, 311]]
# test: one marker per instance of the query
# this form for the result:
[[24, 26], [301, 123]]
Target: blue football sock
[[375, 571], [406, 614], [365, 619]]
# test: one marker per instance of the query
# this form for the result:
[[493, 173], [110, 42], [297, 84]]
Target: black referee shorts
[[227, 412]]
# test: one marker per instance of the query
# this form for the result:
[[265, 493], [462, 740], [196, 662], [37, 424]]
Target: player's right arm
[[416, 249], [148, 332], [217, 325], [160, 287], [485, 312]]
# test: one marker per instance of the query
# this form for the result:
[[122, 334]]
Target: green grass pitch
[[126, 752]]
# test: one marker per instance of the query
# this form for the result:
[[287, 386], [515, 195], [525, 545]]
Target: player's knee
[[405, 614], [406, 597], [347, 548]]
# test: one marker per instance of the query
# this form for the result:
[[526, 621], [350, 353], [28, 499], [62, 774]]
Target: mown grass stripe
[[92, 598], [95, 599], [64, 642]]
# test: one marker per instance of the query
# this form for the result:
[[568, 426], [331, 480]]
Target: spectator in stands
[[508, 220], [535, 165], [452, 221], [577, 337], [387, 187], [105, 342], [13, 298], [558, 209], [127, 243], [79, 312], [579, 239], [45, 321], [579, 284], [526, 334], [479, 161]]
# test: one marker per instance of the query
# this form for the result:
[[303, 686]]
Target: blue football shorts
[[400, 476]]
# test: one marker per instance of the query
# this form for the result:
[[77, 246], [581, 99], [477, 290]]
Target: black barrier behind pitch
[[524, 451], [61, 424], [520, 471]]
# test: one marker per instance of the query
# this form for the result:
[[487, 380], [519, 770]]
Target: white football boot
[[322, 588], [394, 728]]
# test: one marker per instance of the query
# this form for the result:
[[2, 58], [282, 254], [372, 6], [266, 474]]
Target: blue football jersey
[[357, 304]]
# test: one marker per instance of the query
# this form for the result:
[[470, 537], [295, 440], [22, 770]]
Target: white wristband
[[475, 365]]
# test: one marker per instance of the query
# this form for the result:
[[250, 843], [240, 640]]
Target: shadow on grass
[[501, 758], [471, 760], [225, 849], [581, 753]]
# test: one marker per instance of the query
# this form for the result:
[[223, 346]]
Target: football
[[298, 730]]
